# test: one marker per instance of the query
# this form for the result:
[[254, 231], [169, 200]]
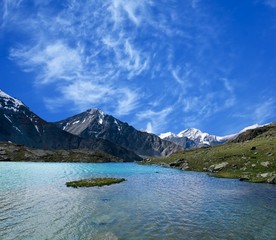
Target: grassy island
[[94, 182]]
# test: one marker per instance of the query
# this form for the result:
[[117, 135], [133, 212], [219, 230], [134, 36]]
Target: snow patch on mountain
[[252, 127], [167, 135], [8, 118], [9, 102]]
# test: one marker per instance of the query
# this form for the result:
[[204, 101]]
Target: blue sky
[[161, 66]]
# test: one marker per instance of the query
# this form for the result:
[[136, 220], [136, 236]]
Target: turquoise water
[[154, 203]]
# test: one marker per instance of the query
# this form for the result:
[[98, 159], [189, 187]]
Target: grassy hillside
[[251, 157]]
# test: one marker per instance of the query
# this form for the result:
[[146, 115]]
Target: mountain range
[[194, 138], [96, 124], [95, 131]]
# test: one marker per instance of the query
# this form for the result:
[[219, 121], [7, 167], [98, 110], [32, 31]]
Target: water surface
[[154, 203]]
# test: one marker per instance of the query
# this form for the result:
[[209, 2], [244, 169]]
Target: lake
[[154, 203]]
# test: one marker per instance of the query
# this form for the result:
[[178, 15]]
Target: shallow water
[[154, 203]]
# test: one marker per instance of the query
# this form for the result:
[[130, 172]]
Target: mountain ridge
[[193, 137], [249, 157], [96, 123], [20, 125]]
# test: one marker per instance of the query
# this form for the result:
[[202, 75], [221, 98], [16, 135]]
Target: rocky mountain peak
[[95, 111], [95, 123], [191, 133], [8, 102]]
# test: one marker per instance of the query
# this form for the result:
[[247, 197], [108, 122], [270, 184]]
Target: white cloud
[[90, 60], [134, 10], [157, 119], [87, 93], [195, 3], [182, 76], [7, 9], [154, 57], [127, 101], [128, 58], [56, 61], [264, 111], [204, 103], [149, 128], [271, 3]]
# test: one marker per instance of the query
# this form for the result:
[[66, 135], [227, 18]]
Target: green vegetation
[[250, 160], [93, 182]]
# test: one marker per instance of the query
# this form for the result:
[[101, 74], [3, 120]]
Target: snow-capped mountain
[[192, 137], [18, 124], [95, 123]]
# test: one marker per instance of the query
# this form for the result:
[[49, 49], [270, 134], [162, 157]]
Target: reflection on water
[[154, 203]]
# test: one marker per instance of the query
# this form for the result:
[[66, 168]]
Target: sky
[[160, 65]]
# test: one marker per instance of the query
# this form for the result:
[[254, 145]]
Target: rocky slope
[[250, 157], [20, 125], [19, 153], [96, 124]]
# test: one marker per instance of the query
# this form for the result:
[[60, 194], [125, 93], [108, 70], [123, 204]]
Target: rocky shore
[[19, 153]]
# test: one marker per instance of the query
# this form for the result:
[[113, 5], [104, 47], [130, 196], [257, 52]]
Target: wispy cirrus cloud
[[85, 56], [171, 62], [133, 10], [55, 61], [7, 8], [155, 119], [95, 51], [271, 3], [264, 110]]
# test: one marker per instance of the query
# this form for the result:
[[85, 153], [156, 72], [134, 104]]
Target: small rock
[[211, 168], [253, 165], [165, 165], [266, 164], [178, 163], [220, 166], [2, 152], [217, 167], [235, 166], [185, 166], [265, 175], [244, 178], [243, 168], [272, 179], [243, 157]]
